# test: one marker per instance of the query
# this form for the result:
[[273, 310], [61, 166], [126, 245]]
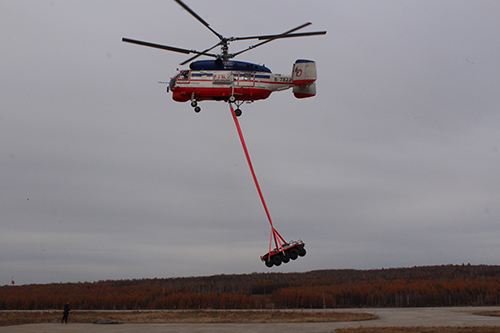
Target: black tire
[[302, 252], [293, 254], [269, 263], [237, 112], [194, 104], [285, 258], [197, 109], [232, 99], [276, 260]]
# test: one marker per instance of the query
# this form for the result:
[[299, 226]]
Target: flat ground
[[477, 329], [9, 318], [429, 320], [488, 313]]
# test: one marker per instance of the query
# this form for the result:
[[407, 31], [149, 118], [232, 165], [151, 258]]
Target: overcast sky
[[395, 162]]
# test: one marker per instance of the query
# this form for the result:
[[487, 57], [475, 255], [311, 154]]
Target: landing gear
[[231, 100], [194, 104], [287, 252]]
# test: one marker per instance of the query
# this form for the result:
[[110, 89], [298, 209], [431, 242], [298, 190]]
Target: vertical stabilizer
[[303, 78]]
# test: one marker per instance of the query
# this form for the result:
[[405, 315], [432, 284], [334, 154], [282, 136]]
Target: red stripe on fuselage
[[183, 94], [303, 82]]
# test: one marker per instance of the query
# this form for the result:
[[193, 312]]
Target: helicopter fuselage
[[224, 80], [220, 85], [238, 82]]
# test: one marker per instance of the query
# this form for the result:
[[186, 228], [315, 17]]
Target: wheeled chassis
[[288, 250]]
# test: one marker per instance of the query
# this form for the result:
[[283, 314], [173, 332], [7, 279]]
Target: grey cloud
[[102, 175]]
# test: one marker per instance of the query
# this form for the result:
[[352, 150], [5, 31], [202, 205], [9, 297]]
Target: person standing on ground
[[65, 313]]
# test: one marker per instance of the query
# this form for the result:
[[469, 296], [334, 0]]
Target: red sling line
[[278, 239]]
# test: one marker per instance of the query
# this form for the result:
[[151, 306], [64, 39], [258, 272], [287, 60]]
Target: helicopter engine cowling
[[303, 78]]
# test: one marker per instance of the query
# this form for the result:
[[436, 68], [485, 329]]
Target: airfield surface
[[446, 316]]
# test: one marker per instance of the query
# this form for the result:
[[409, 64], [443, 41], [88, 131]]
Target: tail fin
[[303, 78]]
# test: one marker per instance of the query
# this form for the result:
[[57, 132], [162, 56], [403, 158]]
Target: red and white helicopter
[[232, 81]]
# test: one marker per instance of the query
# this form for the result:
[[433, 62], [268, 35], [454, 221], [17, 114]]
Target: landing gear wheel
[[285, 258], [293, 254], [237, 112], [197, 109], [194, 104], [302, 252], [276, 260], [269, 263], [232, 99]]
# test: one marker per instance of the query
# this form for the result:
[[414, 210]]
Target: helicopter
[[232, 81]]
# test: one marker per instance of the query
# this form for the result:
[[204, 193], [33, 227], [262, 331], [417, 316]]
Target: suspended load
[[283, 251]]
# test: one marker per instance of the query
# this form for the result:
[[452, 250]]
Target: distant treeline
[[451, 285]]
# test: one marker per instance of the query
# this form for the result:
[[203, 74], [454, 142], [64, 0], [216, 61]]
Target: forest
[[448, 285]]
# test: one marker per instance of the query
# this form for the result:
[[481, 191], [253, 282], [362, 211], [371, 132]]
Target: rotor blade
[[165, 47], [300, 34], [270, 38], [204, 52], [198, 17], [284, 33]]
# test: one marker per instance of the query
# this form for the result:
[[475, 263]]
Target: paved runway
[[456, 316]]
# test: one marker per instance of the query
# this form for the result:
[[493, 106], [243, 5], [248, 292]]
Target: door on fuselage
[[245, 79]]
